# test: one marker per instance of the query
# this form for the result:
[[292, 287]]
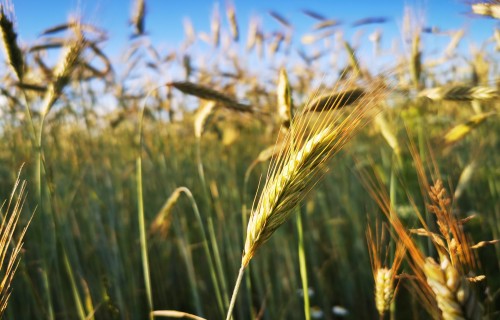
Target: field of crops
[[342, 179]]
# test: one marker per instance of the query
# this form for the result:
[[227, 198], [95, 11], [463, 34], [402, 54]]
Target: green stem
[[392, 199], [303, 266], [140, 212], [206, 249], [218, 272], [235, 292], [142, 235]]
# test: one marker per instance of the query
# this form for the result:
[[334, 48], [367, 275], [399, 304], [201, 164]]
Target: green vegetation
[[146, 207]]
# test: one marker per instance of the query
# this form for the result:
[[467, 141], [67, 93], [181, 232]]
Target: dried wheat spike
[[454, 296]]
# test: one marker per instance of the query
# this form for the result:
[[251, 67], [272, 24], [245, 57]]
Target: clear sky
[[164, 17]]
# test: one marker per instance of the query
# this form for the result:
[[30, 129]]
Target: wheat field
[[321, 186]]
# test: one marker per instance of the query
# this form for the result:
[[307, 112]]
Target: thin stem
[[218, 272], [211, 265], [303, 266], [392, 199], [235, 292], [140, 211]]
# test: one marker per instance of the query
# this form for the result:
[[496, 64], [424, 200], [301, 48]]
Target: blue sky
[[164, 27], [164, 17]]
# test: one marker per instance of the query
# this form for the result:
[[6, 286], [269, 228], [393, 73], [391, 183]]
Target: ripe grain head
[[309, 144]]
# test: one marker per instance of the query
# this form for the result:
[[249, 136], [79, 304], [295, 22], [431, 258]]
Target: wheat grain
[[454, 296]]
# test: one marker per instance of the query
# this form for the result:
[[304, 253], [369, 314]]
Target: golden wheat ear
[[384, 272], [311, 141]]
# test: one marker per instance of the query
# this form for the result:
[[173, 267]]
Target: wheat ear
[[454, 296], [9, 38], [310, 142]]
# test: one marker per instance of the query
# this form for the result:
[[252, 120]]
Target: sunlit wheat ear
[[460, 131], [311, 142], [454, 295], [161, 224], [64, 69], [461, 93], [203, 113], [284, 97], [9, 38], [385, 277], [491, 9]]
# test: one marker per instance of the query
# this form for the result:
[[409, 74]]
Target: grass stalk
[[302, 264], [218, 273], [206, 249], [235, 292], [140, 213]]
